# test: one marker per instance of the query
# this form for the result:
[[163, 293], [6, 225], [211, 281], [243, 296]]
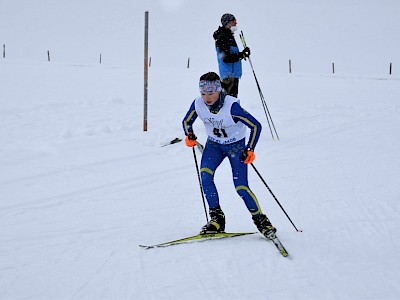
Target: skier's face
[[232, 23], [210, 98]]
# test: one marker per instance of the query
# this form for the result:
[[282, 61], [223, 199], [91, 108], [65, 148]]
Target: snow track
[[81, 185]]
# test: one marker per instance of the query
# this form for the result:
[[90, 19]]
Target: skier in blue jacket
[[228, 54], [225, 122]]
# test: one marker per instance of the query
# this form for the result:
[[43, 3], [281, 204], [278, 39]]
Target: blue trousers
[[212, 157]]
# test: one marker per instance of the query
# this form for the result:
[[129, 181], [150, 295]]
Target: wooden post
[[48, 55], [4, 50], [100, 58], [146, 68], [188, 62], [390, 69], [333, 68], [150, 62], [290, 66]]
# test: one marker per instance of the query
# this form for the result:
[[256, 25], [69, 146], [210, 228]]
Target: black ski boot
[[216, 223], [264, 226]]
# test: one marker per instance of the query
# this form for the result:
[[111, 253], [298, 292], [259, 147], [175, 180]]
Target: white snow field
[[82, 185]]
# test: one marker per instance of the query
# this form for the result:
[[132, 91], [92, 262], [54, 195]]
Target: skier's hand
[[248, 156], [191, 139], [246, 52]]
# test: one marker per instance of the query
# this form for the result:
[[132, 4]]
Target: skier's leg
[[210, 160], [240, 179]]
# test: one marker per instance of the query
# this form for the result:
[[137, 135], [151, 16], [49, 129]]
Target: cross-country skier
[[228, 54], [225, 122]]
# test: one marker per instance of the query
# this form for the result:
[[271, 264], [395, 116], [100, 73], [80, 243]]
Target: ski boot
[[216, 223], [264, 226]]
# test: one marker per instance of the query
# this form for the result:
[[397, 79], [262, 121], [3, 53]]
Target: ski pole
[[264, 103], [262, 179], [201, 186]]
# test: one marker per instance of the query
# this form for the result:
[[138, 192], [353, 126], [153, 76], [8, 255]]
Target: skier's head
[[210, 76], [210, 87], [226, 19], [210, 83]]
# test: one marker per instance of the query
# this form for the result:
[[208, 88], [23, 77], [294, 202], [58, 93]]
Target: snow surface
[[82, 185]]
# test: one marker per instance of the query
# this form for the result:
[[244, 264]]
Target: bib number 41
[[218, 133]]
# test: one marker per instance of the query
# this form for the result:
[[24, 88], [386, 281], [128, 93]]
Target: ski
[[177, 140], [213, 236], [174, 141], [198, 238], [279, 246]]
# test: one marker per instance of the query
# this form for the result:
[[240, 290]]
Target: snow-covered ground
[[81, 184]]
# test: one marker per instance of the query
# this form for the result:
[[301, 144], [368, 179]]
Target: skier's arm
[[189, 119], [225, 52], [241, 115]]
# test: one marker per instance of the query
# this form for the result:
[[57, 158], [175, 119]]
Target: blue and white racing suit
[[226, 130]]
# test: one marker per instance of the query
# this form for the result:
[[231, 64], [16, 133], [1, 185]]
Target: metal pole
[[276, 199], [266, 110], [146, 66], [201, 186]]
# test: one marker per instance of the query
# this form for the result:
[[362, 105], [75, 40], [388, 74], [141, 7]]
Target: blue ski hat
[[226, 19]]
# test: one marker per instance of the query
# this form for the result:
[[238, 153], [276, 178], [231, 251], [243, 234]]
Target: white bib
[[220, 127]]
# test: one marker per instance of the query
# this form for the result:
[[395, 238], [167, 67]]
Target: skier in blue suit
[[228, 55], [225, 122]]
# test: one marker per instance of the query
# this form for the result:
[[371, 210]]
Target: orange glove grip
[[190, 143], [250, 157]]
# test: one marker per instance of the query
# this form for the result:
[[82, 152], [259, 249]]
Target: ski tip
[[284, 254], [145, 247], [174, 141]]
